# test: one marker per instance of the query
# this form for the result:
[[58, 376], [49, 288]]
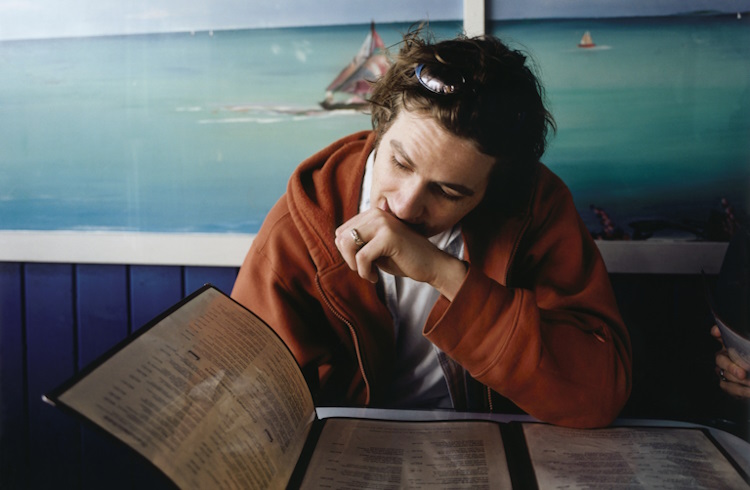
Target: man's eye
[[451, 197], [398, 165], [448, 195]]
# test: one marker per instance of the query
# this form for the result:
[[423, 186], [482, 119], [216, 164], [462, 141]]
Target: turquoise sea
[[198, 132]]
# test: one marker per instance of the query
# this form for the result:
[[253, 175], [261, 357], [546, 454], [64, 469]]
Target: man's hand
[[733, 378], [392, 246]]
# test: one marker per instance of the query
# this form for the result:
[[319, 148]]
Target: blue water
[[199, 133]]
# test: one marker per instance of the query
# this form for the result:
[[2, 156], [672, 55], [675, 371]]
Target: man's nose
[[409, 205]]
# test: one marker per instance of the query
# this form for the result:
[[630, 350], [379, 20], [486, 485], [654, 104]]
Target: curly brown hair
[[501, 108]]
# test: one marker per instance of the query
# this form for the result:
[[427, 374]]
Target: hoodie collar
[[325, 191]]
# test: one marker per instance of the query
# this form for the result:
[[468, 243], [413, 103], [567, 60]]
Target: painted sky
[[30, 19]]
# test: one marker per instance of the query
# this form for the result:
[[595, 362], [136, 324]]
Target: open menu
[[211, 396]]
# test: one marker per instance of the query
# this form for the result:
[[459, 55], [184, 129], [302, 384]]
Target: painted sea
[[199, 132]]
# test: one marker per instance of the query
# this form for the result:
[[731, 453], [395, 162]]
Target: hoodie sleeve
[[552, 341]]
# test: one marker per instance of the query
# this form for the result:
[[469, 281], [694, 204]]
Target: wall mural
[[177, 129]]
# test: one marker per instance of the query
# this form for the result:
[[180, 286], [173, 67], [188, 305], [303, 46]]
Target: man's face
[[426, 176]]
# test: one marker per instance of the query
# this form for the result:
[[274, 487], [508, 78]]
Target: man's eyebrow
[[461, 189], [399, 148]]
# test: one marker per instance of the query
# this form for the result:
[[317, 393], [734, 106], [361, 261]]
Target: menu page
[[627, 457], [210, 395], [359, 453]]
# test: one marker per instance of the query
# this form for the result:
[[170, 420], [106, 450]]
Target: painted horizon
[[188, 132]]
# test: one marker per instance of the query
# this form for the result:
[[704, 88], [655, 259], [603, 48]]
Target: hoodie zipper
[[353, 333]]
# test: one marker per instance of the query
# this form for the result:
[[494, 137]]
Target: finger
[[355, 250], [364, 222], [735, 389], [723, 366], [365, 261], [725, 376], [348, 249], [356, 239], [729, 370], [344, 231], [715, 332], [736, 373]]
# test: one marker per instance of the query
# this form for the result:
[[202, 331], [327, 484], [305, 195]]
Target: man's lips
[[419, 228]]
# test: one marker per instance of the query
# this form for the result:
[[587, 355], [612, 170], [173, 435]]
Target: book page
[[358, 453], [627, 457], [210, 395]]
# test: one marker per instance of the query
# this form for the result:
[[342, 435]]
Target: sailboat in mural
[[349, 90], [586, 41]]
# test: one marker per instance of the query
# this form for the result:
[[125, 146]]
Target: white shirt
[[419, 380]]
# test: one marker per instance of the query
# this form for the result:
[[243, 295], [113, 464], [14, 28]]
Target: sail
[[586, 41], [367, 66]]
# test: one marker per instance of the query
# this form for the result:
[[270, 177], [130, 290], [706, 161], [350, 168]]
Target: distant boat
[[586, 41], [349, 90]]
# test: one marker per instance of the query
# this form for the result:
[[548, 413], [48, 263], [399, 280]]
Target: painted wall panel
[[13, 415], [221, 277], [54, 437], [102, 306], [153, 289], [102, 321]]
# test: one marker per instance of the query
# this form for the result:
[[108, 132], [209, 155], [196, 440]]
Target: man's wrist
[[450, 276]]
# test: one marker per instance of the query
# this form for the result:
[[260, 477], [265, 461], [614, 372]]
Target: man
[[435, 262]]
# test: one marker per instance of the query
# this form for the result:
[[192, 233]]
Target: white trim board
[[136, 248], [228, 250], [474, 17]]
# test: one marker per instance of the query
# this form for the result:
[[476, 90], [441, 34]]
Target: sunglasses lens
[[439, 79]]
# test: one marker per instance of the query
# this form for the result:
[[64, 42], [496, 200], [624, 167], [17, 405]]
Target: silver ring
[[358, 242], [721, 375]]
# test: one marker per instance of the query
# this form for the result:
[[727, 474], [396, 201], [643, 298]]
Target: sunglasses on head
[[444, 80], [440, 79]]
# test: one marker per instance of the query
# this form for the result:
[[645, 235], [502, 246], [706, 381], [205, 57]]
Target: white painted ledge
[[662, 257], [228, 250], [78, 247]]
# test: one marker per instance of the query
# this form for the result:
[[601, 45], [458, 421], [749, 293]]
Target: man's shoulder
[[348, 145], [534, 190], [547, 178], [549, 190], [552, 202]]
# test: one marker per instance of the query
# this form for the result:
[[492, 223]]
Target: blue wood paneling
[[54, 437], [153, 289], [54, 320], [102, 311], [102, 306], [221, 277], [13, 418]]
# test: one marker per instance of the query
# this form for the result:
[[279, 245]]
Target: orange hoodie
[[534, 321]]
